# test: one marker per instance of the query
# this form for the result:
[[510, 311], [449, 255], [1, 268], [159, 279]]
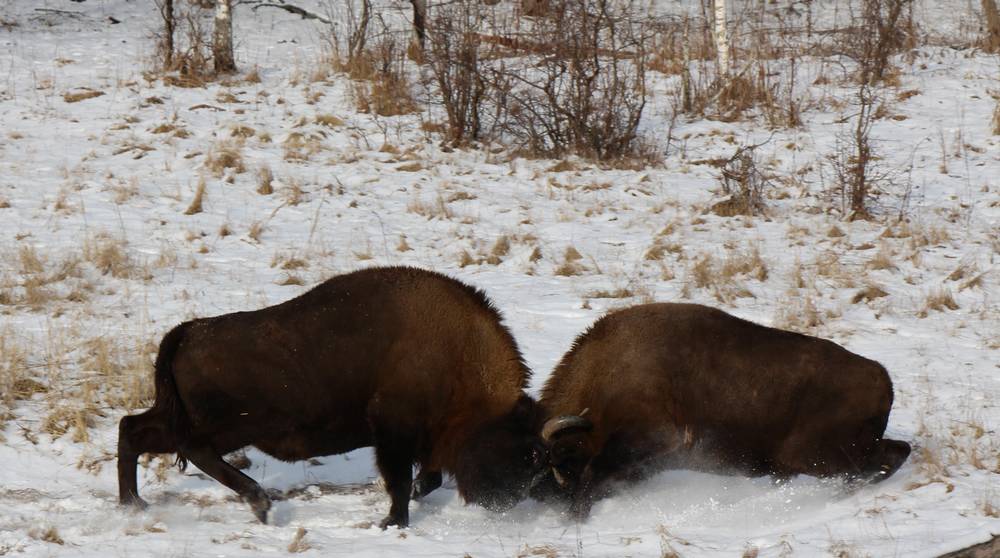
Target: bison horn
[[563, 423]]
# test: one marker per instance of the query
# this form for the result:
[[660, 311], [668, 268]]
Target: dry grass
[[938, 300], [255, 230], [265, 181], [883, 259], [868, 294], [109, 255], [403, 245], [225, 155], [300, 147], [77, 96], [702, 271], [499, 251], [438, 209], [299, 544], [571, 263], [748, 263], [329, 120], [199, 197], [46, 534], [995, 127], [798, 312]]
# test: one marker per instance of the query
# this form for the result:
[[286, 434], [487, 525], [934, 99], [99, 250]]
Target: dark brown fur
[[409, 361], [683, 385]]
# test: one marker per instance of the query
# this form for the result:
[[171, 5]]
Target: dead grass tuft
[[329, 120], [938, 300], [199, 197], [883, 259], [225, 155], [570, 265], [46, 534], [868, 294], [799, 313], [109, 255], [264, 181], [299, 544], [77, 96], [747, 263], [403, 245]]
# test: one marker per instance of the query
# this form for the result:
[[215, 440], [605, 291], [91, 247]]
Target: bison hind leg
[[148, 432], [212, 464], [885, 459]]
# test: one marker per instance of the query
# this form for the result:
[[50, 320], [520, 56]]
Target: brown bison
[[411, 362], [682, 385]]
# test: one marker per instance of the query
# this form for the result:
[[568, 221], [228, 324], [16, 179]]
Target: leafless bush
[[854, 163], [881, 29], [744, 184], [383, 87], [586, 88], [454, 60]]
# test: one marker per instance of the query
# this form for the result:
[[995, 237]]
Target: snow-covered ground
[[98, 259]]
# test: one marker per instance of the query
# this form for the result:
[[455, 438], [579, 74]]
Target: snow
[[77, 177]]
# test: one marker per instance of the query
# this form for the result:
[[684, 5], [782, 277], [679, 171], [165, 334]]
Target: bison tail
[[167, 398]]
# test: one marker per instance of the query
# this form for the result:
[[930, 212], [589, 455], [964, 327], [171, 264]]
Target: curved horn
[[562, 423]]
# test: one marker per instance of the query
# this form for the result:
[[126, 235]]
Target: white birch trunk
[[721, 38], [222, 37]]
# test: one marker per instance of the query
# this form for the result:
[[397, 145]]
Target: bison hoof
[[389, 521], [260, 504], [134, 502]]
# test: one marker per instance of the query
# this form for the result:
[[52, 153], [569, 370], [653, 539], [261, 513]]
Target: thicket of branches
[[559, 77]]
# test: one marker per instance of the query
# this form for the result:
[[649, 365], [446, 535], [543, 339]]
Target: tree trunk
[[222, 38], [721, 39], [992, 25], [169, 23], [420, 21]]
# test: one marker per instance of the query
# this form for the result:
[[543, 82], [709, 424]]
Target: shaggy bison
[[682, 385], [411, 362]]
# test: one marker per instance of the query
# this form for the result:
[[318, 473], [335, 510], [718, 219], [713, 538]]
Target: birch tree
[[721, 38], [222, 37]]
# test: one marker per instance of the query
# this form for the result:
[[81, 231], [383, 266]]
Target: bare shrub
[[854, 163], [383, 86], [454, 59], [881, 29], [744, 184], [586, 90]]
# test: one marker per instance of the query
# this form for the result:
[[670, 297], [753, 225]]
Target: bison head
[[500, 461], [565, 439]]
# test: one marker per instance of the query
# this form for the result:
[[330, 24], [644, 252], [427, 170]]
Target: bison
[[409, 361], [689, 386]]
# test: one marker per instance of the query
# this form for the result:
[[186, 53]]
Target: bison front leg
[[395, 462], [212, 464], [427, 482]]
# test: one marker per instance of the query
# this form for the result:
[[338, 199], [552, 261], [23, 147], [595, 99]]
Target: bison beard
[[411, 362], [683, 385]]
